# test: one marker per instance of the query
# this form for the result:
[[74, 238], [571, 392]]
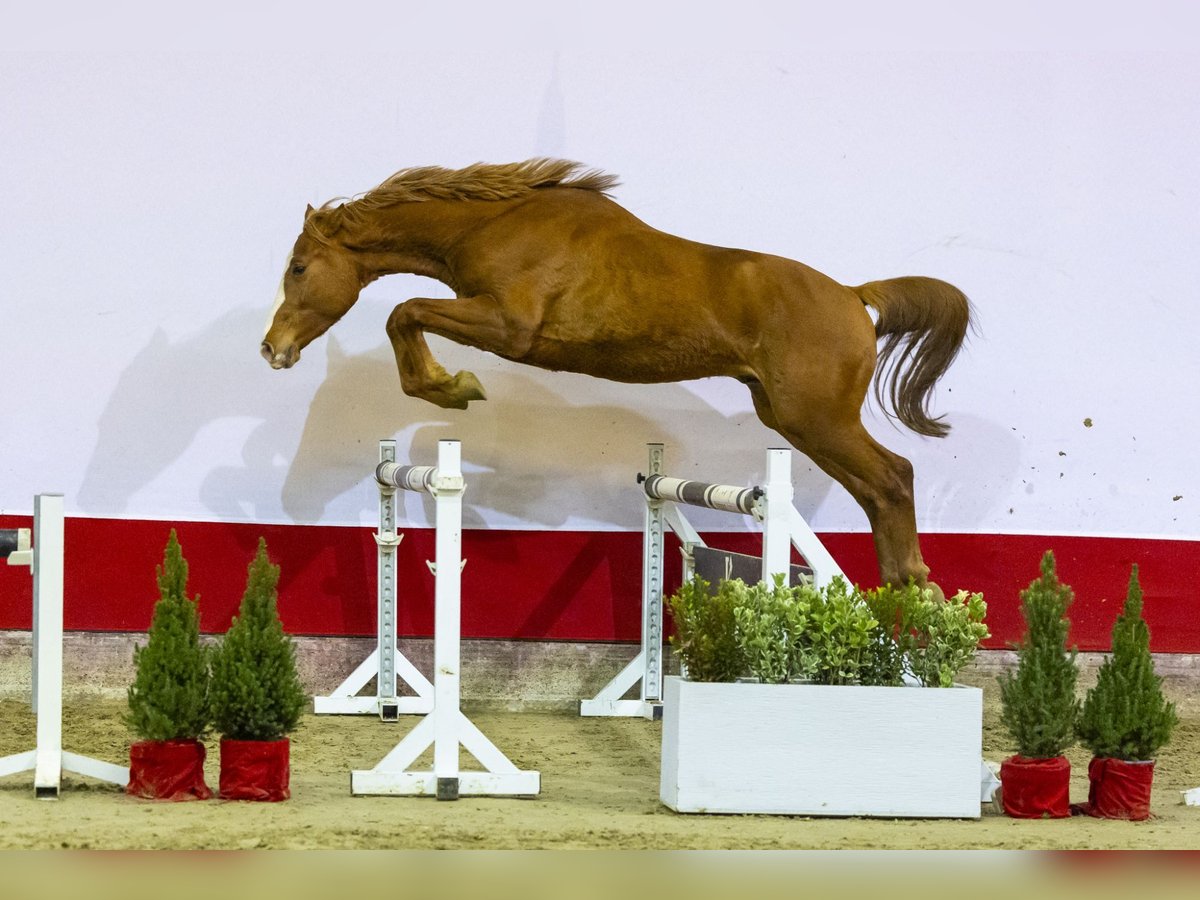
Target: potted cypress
[[1038, 703], [1125, 719], [168, 700], [256, 693]]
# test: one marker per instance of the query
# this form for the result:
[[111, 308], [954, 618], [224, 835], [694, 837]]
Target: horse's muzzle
[[284, 360]]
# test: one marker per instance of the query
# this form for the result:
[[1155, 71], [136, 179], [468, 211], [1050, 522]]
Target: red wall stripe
[[564, 585]]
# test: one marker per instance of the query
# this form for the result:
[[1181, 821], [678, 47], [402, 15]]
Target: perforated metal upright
[[386, 665], [387, 539], [646, 668]]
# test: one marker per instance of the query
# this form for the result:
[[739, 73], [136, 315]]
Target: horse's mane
[[481, 181], [485, 181]]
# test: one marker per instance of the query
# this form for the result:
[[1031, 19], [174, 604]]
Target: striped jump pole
[[783, 528], [14, 541], [445, 728]]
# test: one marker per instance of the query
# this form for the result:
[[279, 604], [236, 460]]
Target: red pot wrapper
[[167, 770], [1036, 788], [255, 770], [1119, 789]]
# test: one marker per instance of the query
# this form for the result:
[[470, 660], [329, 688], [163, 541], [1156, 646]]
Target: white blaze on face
[[279, 297]]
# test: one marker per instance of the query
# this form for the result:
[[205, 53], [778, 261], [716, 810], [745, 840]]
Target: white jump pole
[[445, 727], [48, 760], [783, 528], [386, 665]]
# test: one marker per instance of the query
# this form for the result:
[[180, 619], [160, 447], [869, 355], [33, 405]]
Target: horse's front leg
[[474, 321]]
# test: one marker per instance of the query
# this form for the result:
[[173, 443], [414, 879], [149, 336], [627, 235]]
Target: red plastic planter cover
[[1036, 788], [255, 770], [167, 770], [1119, 789]]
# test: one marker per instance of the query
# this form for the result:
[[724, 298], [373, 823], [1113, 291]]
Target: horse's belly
[[641, 361]]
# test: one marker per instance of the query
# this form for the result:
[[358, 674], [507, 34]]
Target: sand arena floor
[[599, 790]]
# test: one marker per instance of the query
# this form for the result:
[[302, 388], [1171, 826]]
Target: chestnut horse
[[549, 271]]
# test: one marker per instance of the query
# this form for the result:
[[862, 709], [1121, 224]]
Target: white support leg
[[48, 540], [776, 505], [47, 759], [445, 728], [347, 698], [825, 569], [447, 616]]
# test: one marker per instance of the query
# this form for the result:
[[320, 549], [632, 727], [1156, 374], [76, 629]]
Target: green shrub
[[705, 632], [922, 635], [772, 626], [886, 661], [947, 636], [1038, 700], [841, 631], [831, 635], [256, 692], [1126, 715], [169, 697]]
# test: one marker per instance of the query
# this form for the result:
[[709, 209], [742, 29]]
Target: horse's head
[[320, 283]]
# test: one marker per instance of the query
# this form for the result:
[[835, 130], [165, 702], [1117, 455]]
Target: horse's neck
[[414, 238]]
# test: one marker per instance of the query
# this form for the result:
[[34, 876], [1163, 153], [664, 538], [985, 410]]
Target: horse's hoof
[[450, 393], [466, 387]]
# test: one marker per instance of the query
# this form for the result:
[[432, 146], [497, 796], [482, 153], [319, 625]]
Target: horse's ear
[[308, 212]]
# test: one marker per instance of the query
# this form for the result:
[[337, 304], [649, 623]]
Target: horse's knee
[[900, 481], [397, 322], [889, 490]]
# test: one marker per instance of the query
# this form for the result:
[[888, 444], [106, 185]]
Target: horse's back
[[612, 296], [554, 225]]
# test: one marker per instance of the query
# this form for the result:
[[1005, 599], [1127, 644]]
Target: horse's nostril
[[267, 350]]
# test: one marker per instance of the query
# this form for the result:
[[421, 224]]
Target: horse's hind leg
[[882, 483], [828, 430], [474, 321]]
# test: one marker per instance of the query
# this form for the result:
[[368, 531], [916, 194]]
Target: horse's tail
[[923, 322]]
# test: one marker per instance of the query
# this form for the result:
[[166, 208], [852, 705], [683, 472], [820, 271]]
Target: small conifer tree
[[169, 697], [1126, 715], [1038, 702], [256, 692]]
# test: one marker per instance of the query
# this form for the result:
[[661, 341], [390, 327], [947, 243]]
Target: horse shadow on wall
[[543, 457], [173, 390], [547, 456]]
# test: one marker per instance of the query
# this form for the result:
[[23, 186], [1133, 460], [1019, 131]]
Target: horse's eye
[[297, 270]]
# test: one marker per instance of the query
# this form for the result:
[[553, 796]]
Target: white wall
[[150, 197]]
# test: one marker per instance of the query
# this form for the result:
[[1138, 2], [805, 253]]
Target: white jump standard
[[445, 727], [48, 760], [386, 663], [783, 528]]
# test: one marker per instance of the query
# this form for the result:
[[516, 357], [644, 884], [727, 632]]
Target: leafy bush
[[705, 632], [256, 692], [764, 620], [1038, 701], [887, 658], [834, 635], [1126, 715], [169, 697], [947, 634], [840, 633]]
